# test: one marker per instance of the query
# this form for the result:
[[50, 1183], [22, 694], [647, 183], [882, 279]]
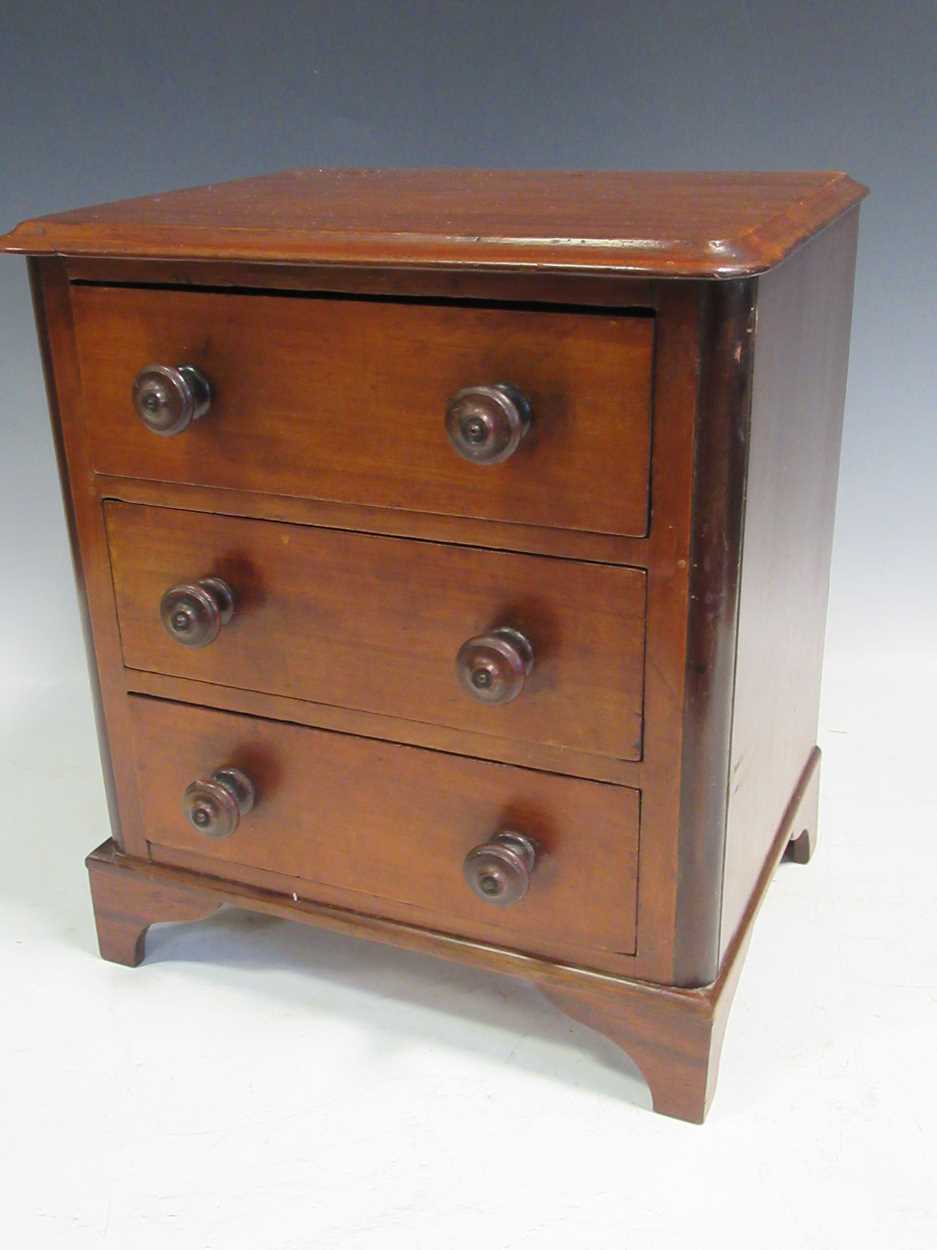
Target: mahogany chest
[[454, 550]]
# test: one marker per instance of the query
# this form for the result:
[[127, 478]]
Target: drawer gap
[[359, 297]]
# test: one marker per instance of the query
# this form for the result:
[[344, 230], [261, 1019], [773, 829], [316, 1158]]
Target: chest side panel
[[798, 390]]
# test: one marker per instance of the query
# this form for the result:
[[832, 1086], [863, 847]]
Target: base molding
[[127, 901], [673, 1034]]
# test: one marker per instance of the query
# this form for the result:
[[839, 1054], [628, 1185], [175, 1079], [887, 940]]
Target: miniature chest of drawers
[[454, 550]]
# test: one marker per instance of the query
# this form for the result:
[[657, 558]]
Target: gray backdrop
[[104, 100]]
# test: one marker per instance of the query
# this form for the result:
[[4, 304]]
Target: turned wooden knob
[[494, 667], [194, 612], [485, 424], [214, 806], [499, 870], [168, 398]]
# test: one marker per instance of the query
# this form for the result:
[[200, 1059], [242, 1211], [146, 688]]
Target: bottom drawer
[[385, 829]]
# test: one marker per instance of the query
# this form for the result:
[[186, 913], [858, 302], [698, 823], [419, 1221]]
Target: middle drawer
[[376, 624]]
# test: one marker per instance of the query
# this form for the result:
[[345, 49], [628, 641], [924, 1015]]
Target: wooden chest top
[[708, 225]]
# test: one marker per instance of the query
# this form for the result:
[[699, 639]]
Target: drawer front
[[375, 624], [345, 399], [390, 826]]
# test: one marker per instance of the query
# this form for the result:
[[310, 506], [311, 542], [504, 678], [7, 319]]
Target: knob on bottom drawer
[[499, 870], [214, 806]]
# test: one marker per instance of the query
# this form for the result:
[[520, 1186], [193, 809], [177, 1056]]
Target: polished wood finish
[[51, 312], [376, 624], [430, 527], [714, 225], [798, 390], [576, 289], [126, 905], [665, 552], [346, 400], [392, 825], [664, 525], [727, 330], [682, 1071], [51, 301], [674, 1035], [168, 398]]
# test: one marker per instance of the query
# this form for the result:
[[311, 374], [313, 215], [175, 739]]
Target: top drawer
[[344, 399]]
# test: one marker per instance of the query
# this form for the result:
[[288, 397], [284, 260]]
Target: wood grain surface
[[798, 390], [374, 623], [725, 224], [674, 1035], [345, 400], [393, 823]]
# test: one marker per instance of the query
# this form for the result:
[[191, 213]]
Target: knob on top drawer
[[485, 424], [168, 398]]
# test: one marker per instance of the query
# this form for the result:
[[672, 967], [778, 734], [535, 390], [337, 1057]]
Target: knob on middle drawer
[[194, 612], [494, 667]]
